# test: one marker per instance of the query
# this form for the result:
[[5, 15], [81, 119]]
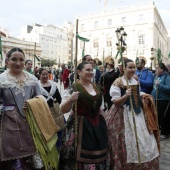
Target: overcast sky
[[16, 13]]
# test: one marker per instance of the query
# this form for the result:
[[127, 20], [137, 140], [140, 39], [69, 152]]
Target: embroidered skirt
[[118, 154], [67, 154]]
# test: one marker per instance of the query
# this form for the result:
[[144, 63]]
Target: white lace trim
[[8, 81], [52, 91], [147, 143]]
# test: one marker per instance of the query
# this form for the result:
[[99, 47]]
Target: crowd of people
[[106, 101]]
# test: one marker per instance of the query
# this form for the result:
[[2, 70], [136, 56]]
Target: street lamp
[[121, 36], [157, 57]]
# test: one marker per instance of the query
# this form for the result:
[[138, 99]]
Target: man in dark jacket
[[145, 77], [109, 78]]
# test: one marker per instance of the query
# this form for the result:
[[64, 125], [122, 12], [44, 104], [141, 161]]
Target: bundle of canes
[[131, 104]]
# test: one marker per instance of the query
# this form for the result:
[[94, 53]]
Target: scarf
[[43, 131], [52, 91]]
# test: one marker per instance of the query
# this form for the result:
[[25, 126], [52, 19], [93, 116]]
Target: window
[[141, 39], [82, 27], [109, 43], [123, 19], [109, 22], [95, 44], [141, 18], [96, 24]]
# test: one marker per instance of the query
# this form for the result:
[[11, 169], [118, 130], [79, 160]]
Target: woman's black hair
[[81, 65], [84, 58], [41, 70], [14, 50], [27, 61], [127, 61], [163, 67]]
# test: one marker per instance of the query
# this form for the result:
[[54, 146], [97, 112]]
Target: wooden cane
[[75, 114]]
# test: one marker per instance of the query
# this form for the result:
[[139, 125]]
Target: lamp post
[[121, 36], [152, 57], [158, 56]]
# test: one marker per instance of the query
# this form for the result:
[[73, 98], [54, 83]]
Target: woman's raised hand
[[74, 96], [128, 92]]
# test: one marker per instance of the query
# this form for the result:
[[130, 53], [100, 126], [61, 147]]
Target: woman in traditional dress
[[16, 86], [124, 155], [92, 147], [50, 91]]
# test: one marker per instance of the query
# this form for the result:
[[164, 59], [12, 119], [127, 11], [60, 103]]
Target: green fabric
[[38, 59], [1, 49], [159, 56], [82, 38], [31, 72], [47, 150], [169, 55]]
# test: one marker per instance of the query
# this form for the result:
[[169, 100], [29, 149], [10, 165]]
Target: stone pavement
[[165, 145], [165, 155]]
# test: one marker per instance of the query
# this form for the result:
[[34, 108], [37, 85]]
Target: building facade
[[142, 23], [28, 47], [53, 41]]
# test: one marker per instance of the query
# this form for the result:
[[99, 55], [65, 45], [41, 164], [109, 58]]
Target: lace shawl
[[8, 81], [52, 91]]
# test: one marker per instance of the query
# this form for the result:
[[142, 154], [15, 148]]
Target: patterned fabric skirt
[[67, 154], [118, 155], [19, 164]]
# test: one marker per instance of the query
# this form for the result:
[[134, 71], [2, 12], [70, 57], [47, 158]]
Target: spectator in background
[[56, 76], [28, 66], [168, 67], [144, 76], [87, 58], [96, 73], [65, 76], [161, 93], [109, 78]]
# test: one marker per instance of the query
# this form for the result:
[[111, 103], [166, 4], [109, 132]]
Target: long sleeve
[[36, 91], [148, 81], [166, 86]]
